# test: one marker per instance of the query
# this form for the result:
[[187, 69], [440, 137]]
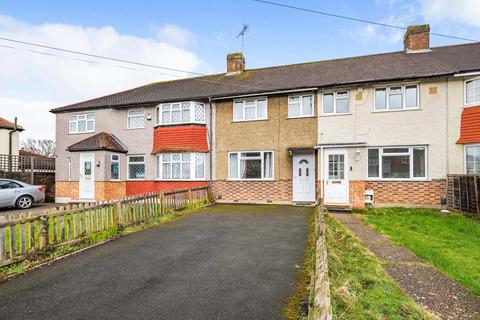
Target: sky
[[189, 35]]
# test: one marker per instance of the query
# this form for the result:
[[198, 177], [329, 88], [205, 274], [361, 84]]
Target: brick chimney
[[235, 62], [417, 38]]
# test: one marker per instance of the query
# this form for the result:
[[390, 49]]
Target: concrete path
[[225, 262], [425, 284]]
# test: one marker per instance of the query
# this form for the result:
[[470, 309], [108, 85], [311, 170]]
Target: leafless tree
[[42, 147]]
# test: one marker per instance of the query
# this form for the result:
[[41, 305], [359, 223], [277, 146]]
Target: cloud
[[31, 84], [464, 11], [175, 35]]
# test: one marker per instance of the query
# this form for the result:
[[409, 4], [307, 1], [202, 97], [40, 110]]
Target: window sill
[[335, 114], [136, 128], [183, 180], [472, 104], [142, 179], [86, 132], [399, 110], [301, 117], [250, 179], [179, 124], [398, 180], [254, 120]]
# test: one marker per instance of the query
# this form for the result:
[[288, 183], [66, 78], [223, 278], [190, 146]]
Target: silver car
[[19, 194]]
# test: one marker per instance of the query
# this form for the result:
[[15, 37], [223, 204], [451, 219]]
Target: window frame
[[465, 155], [335, 93], [144, 167], [76, 123], [410, 154], [301, 96], [191, 107], [404, 99], [469, 104], [159, 164], [255, 99], [262, 157], [134, 116], [119, 166]]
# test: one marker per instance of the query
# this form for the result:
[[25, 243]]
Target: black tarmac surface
[[224, 262]]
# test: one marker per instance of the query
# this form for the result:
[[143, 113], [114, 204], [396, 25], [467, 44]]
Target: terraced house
[[386, 128]]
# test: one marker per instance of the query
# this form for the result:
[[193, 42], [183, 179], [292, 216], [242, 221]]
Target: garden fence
[[36, 233], [463, 193]]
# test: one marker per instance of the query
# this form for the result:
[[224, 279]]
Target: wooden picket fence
[[35, 233]]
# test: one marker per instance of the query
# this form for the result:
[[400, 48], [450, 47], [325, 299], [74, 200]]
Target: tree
[[42, 147]]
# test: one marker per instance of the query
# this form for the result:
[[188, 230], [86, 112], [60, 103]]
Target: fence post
[[118, 208], [43, 239], [162, 205], [32, 170], [189, 196]]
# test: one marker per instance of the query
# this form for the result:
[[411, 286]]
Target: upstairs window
[[181, 112], [249, 110], [336, 103], [472, 91], [399, 97], [136, 119], [81, 123], [181, 166], [392, 163], [300, 106], [255, 165]]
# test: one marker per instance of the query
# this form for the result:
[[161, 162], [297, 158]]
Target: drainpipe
[[210, 134], [10, 143]]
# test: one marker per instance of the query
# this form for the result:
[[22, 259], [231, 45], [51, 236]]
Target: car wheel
[[24, 202]]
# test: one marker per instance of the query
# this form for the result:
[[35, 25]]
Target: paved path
[[425, 284], [225, 262]]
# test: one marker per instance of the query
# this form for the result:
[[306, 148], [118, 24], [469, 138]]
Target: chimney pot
[[235, 62], [417, 38]]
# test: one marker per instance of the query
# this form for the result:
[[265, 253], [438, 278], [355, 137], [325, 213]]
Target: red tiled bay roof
[[470, 127], [100, 141], [188, 138]]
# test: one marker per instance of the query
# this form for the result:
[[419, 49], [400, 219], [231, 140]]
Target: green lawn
[[360, 288], [450, 242]]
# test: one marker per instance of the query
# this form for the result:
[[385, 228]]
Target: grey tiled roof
[[439, 61]]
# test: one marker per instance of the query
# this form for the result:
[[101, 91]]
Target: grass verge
[[450, 242], [54, 252], [360, 288], [299, 302]]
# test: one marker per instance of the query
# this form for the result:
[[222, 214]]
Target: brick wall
[[66, 189], [357, 193], [278, 190], [110, 190], [410, 192]]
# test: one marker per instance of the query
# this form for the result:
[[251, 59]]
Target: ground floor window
[[181, 166], [397, 162], [136, 167], [472, 159], [251, 165], [115, 167]]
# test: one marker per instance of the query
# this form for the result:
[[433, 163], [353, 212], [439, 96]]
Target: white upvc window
[[181, 166], [136, 118], [335, 103], [397, 163], [250, 165], [250, 110], [396, 97], [472, 92], [180, 112], [81, 123], [300, 106], [136, 167], [472, 159], [115, 167]]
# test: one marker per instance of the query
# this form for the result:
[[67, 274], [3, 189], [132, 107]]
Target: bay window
[[397, 163], [249, 110], [472, 159], [472, 91], [251, 165], [81, 123], [336, 102], [180, 112], [300, 106], [398, 97], [181, 166]]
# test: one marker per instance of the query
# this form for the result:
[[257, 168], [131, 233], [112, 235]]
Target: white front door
[[336, 177], [304, 178], [87, 176]]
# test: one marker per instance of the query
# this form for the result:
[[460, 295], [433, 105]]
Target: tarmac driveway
[[224, 262]]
